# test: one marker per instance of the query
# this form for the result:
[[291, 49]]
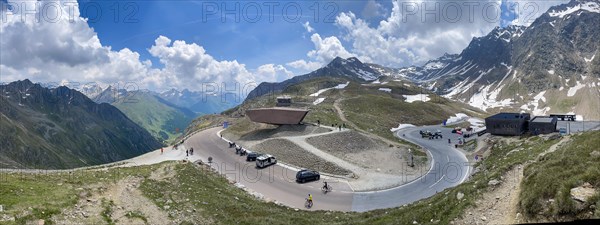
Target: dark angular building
[[284, 101], [509, 124], [543, 125]]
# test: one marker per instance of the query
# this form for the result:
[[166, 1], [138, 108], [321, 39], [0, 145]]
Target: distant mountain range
[[164, 114], [549, 67], [351, 68], [199, 102], [62, 128], [552, 66]]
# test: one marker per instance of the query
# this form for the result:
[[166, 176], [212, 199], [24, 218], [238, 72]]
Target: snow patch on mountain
[[588, 6], [590, 59], [318, 101], [419, 97], [339, 86], [573, 90], [365, 75], [459, 117], [540, 96], [485, 99], [401, 126], [388, 90]]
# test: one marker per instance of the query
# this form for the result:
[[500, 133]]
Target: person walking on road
[[187, 153], [161, 151], [191, 151]]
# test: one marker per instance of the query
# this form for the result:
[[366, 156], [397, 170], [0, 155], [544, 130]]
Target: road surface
[[274, 182], [450, 168], [277, 183]]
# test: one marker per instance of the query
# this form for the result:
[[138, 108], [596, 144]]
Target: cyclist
[[325, 186], [310, 200]]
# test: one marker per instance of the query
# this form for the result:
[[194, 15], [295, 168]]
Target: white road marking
[[437, 181]]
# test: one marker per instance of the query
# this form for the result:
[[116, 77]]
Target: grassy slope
[[555, 174], [162, 120], [216, 199], [29, 197], [56, 136], [372, 110]]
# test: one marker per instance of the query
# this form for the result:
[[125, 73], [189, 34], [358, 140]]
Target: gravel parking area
[[368, 153], [346, 142], [290, 153], [284, 131]]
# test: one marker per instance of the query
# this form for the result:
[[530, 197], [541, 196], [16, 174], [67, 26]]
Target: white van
[[265, 160]]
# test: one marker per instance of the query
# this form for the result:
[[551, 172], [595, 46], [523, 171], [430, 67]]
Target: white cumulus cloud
[[272, 72], [308, 28], [304, 65], [68, 49]]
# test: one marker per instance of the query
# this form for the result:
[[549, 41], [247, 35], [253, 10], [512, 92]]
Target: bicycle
[[308, 204], [326, 189]]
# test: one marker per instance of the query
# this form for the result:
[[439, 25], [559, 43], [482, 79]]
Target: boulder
[[583, 192], [493, 182]]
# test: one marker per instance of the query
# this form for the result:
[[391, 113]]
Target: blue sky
[[179, 44], [253, 43]]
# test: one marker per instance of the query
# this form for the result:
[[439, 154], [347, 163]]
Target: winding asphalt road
[[277, 183], [449, 168]]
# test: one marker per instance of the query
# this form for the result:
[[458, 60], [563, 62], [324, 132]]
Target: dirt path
[[499, 204], [118, 201]]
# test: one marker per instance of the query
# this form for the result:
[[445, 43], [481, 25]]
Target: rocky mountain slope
[[548, 67], [62, 128], [351, 69], [162, 119]]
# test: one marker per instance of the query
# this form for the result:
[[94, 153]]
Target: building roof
[[543, 119], [509, 115]]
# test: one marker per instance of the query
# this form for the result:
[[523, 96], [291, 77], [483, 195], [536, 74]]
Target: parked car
[[265, 160], [307, 175], [252, 156]]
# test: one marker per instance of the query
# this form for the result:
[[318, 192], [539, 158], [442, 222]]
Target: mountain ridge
[[63, 128]]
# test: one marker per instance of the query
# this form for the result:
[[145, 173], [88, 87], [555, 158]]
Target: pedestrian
[[191, 151], [161, 151], [340, 127], [187, 153], [319, 123], [344, 125]]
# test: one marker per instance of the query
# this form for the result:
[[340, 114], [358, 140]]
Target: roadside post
[[412, 163]]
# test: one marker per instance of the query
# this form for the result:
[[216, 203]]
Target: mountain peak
[[574, 6]]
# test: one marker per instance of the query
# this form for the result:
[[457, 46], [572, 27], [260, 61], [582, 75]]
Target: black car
[[307, 175], [252, 156]]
